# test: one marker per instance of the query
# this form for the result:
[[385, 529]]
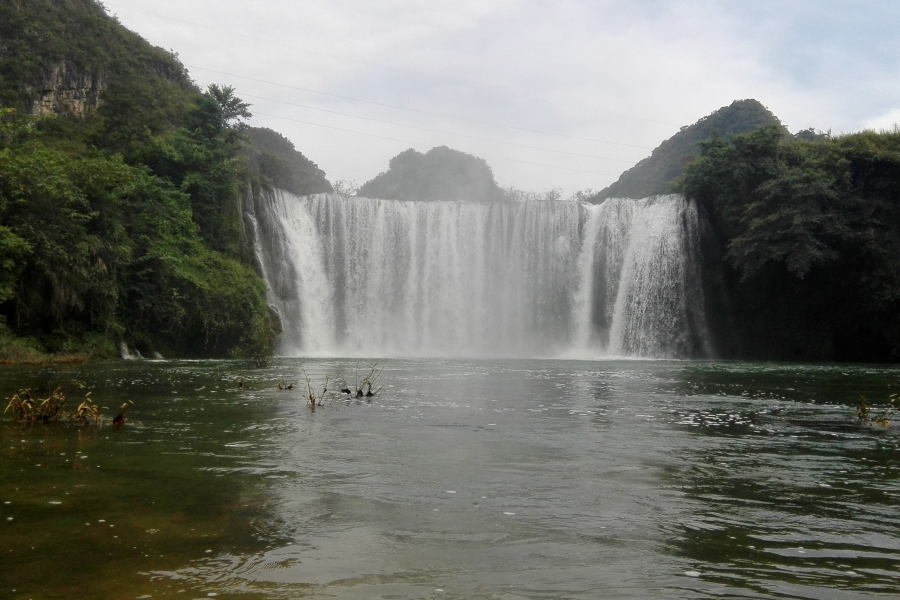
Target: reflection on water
[[504, 479]]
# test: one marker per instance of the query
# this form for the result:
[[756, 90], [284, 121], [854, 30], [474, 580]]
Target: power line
[[386, 68], [424, 112], [472, 137], [421, 145]]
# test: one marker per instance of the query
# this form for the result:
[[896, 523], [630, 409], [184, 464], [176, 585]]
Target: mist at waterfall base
[[352, 276]]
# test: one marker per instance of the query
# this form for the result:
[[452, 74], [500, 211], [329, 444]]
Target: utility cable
[[471, 137], [421, 145], [386, 68], [415, 110]]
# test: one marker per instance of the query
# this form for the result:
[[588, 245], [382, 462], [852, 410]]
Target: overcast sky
[[552, 94]]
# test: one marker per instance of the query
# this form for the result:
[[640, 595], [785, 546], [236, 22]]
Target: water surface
[[461, 479]]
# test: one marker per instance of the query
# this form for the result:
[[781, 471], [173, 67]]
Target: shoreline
[[51, 359]]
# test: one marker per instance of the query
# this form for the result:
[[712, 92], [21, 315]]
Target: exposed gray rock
[[67, 90]]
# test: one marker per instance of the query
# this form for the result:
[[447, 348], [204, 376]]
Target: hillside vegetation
[[656, 173], [121, 191], [279, 164], [807, 236], [439, 174]]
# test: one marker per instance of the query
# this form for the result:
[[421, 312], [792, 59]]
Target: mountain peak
[[654, 174]]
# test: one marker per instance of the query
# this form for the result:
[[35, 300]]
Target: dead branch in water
[[314, 399], [370, 382]]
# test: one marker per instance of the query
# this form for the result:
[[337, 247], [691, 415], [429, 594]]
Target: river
[[461, 479]]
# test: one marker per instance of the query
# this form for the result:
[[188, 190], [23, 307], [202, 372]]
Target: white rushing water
[[364, 277]]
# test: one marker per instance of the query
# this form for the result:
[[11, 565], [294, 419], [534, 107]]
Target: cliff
[[802, 244], [60, 56]]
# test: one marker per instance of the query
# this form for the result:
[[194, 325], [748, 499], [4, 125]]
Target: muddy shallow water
[[461, 479]]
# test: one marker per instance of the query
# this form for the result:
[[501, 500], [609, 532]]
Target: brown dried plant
[[881, 416], [27, 406], [87, 413]]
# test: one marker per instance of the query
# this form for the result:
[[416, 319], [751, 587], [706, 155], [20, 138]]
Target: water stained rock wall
[[66, 89], [366, 277]]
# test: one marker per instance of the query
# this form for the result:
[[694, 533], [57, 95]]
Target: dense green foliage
[[202, 158], [38, 35], [810, 236], [655, 174], [282, 166], [121, 216], [439, 174], [95, 250]]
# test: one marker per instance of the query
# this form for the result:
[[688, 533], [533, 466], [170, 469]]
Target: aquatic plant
[[871, 416], [87, 413], [27, 406]]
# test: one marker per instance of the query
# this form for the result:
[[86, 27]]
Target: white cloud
[[628, 72]]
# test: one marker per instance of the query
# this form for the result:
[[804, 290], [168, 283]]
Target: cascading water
[[363, 277]]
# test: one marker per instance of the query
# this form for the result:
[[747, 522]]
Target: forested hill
[[439, 174], [655, 174], [276, 160], [802, 259], [121, 191]]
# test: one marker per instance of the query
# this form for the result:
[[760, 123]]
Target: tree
[[809, 230], [777, 201]]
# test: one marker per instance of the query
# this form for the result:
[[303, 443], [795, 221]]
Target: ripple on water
[[564, 479]]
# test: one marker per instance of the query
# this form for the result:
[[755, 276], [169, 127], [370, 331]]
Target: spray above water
[[364, 277]]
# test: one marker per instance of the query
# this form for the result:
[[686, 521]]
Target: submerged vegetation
[[370, 384], [315, 396], [328, 391]]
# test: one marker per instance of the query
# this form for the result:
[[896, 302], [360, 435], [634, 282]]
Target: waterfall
[[364, 277]]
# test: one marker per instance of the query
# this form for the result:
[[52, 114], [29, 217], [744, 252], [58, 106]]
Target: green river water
[[462, 479]]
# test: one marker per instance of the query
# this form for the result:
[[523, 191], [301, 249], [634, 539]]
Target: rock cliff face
[[68, 90], [71, 58]]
